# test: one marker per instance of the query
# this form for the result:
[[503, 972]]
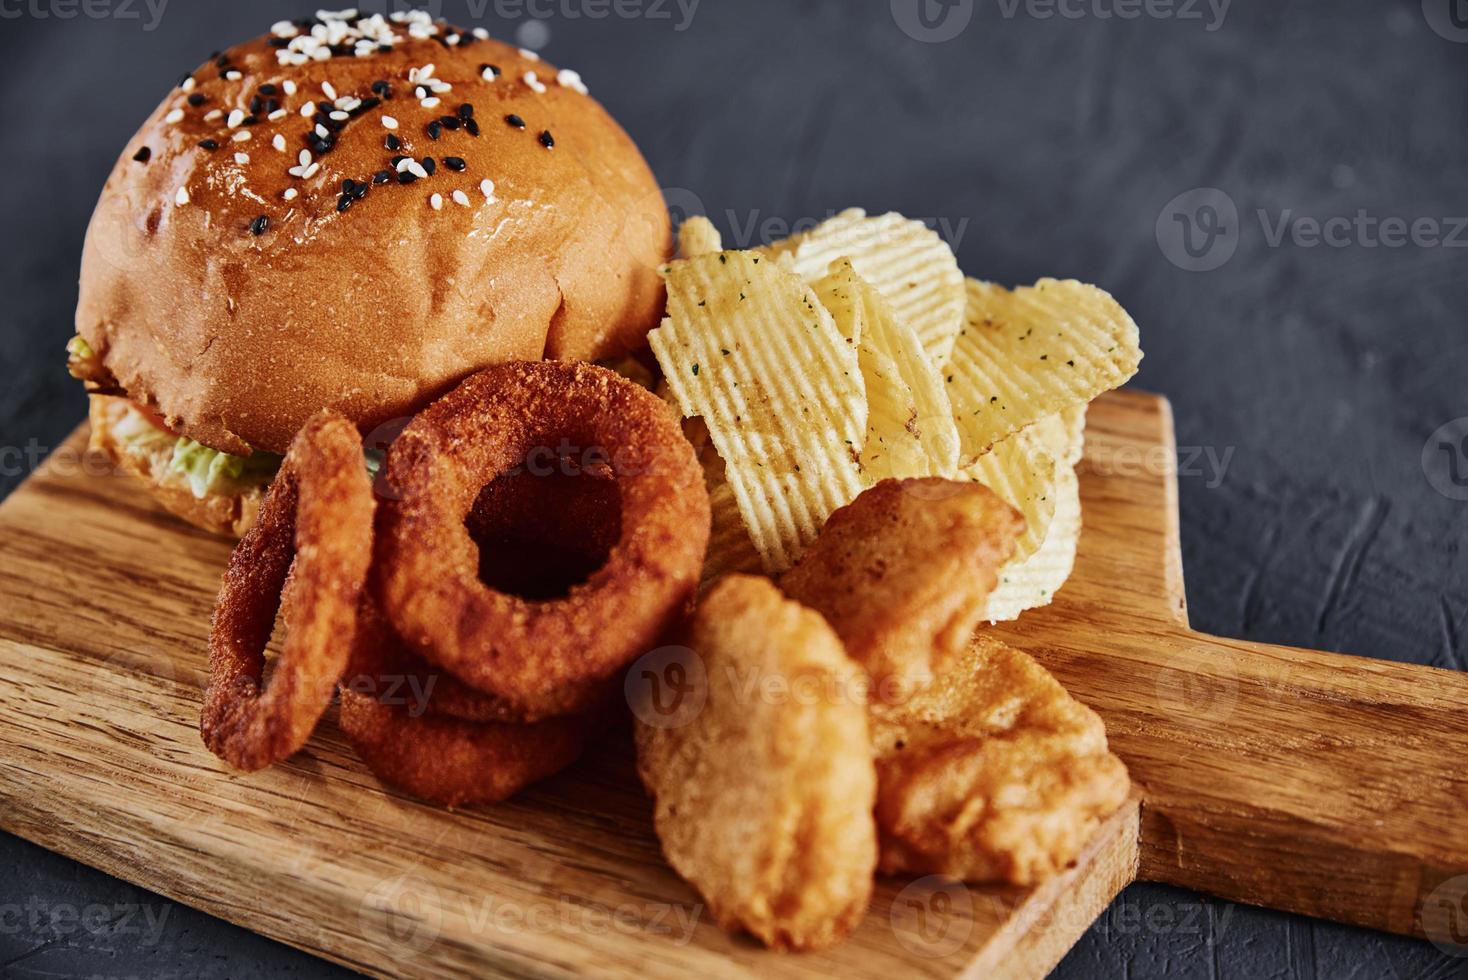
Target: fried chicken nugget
[[903, 572], [993, 773], [763, 798]]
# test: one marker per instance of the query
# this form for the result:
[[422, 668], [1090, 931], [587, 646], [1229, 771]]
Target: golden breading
[[994, 773], [764, 796], [903, 572]]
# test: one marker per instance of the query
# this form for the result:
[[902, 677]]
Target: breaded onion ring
[[551, 657], [315, 527], [406, 722]]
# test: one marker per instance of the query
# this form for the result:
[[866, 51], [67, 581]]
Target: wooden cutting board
[[1320, 784]]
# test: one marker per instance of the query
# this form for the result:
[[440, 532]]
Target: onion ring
[[546, 658], [413, 735], [315, 527]]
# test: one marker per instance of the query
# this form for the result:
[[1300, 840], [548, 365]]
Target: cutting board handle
[[1318, 783]]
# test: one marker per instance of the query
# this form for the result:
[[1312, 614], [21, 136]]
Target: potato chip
[[730, 549], [910, 428], [839, 291], [1030, 353], [698, 236], [1023, 472], [1033, 582], [749, 348], [904, 259], [1074, 420]]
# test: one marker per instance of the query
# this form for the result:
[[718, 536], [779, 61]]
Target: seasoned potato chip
[[839, 291], [1074, 420], [1024, 474], [905, 260], [698, 236], [1030, 353], [749, 348], [730, 549], [1033, 582]]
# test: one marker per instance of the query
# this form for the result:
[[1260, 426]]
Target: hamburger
[[351, 212]]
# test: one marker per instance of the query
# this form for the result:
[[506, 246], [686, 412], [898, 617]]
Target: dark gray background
[[1049, 146]]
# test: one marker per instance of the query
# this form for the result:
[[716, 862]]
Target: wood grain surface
[[106, 604]]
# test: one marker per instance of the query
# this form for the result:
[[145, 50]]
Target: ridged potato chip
[[1023, 472], [904, 259], [749, 348], [1033, 582], [698, 236], [839, 291], [1030, 353], [730, 549]]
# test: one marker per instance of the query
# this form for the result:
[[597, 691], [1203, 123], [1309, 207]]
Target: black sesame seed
[[268, 89], [515, 121], [143, 155], [456, 164], [435, 130], [343, 202], [360, 191], [222, 61], [449, 122], [341, 50], [348, 185], [278, 42], [209, 144], [384, 49], [392, 142], [272, 106], [256, 104], [547, 140], [259, 225], [250, 120], [471, 126], [368, 104], [466, 111], [407, 177], [397, 160], [382, 177], [382, 88], [430, 165], [197, 100]]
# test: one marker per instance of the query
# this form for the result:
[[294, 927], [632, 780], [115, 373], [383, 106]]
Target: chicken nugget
[[763, 797], [903, 574], [993, 773]]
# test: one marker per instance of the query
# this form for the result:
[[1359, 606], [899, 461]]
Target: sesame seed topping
[[432, 102], [437, 202], [418, 170], [143, 155], [305, 158], [290, 194], [536, 85], [466, 111], [486, 186], [515, 121], [289, 87], [329, 90], [480, 34], [528, 54], [455, 163], [174, 117], [189, 84], [233, 76], [572, 80], [392, 142], [243, 136], [489, 72], [236, 119], [430, 166], [241, 158], [182, 197], [209, 144], [435, 130], [382, 88], [308, 110], [547, 140], [340, 116], [197, 100], [278, 142], [258, 226], [277, 115], [269, 89], [389, 122], [382, 177], [214, 115], [461, 198], [471, 126], [322, 131], [343, 202]]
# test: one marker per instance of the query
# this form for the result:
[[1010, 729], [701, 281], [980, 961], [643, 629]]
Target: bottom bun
[[127, 436]]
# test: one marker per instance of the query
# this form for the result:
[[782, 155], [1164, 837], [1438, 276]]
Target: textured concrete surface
[[1315, 373]]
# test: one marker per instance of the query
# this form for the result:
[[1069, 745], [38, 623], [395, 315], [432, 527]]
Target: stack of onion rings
[[549, 658], [315, 527]]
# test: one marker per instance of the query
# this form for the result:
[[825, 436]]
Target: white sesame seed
[[420, 92], [278, 142], [290, 193], [432, 102], [305, 158], [452, 40], [527, 53], [388, 122], [487, 187], [189, 84], [311, 171], [481, 34], [340, 116], [439, 86], [461, 198], [322, 131], [174, 116], [329, 90], [571, 80], [182, 197], [289, 87], [233, 76], [277, 115], [308, 110], [437, 202], [416, 169], [284, 28], [213, 114], [489, 74], [241, 158], [236, 118], [536, 85], [243, 136]]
